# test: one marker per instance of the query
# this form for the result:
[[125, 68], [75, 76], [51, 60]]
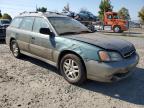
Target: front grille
[[129, 54]]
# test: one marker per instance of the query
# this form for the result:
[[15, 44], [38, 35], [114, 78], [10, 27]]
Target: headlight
[[109, 56], [104, 56]]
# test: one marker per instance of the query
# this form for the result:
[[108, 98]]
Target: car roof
[[45, 14]]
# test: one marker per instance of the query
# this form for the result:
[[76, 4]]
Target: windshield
[[115, 16], [65, 25], [5, 21]]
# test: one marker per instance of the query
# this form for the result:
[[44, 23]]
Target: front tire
[[15, 49], [117, 29], [72, 69]]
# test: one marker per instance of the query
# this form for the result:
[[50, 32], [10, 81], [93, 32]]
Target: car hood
[[105, 42]]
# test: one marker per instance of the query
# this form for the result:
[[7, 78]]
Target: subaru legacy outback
[[71, 47]]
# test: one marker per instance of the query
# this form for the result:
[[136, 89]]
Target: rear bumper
[[110, 72]]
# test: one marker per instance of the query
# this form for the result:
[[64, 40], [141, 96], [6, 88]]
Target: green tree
[[105, 6], [6, 16], [141, 15], [0, 14], [42, 9], [124, 13]]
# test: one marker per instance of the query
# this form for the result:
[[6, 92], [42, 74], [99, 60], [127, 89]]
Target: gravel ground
[[30, 83]]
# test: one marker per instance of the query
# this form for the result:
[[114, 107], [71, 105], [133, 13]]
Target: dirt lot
[[30, 83]]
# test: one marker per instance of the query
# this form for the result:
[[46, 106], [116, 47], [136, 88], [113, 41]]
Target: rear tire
[[15, 49], [72, 69]]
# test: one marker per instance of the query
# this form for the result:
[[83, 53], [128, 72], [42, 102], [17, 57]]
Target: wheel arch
[[65, 52], [12, 38]]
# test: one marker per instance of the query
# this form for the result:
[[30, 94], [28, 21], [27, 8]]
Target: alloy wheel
[[71, 69], [15, 49]]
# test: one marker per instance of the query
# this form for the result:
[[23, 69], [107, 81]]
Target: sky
[[14, 7]]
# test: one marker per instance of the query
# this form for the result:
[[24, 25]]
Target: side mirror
[[45, 31]]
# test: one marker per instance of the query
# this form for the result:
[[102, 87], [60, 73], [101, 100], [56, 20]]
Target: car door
[[24, 33], [40, 44]]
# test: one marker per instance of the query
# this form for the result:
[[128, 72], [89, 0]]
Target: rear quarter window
[[27, 23], [16, 22]]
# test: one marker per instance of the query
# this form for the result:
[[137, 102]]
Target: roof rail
[[25, 12], [49, 12]]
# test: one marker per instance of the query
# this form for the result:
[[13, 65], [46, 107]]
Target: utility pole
[[36, 8], [0, 14]]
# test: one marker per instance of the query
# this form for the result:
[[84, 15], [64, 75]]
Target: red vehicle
[[113, 22]]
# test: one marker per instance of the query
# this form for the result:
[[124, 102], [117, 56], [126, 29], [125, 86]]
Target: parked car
[[4, 23], [86, 16], [71, 47]]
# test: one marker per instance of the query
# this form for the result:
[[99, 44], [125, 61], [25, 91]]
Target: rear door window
[[27, 23], [16, 22], [39, 23]]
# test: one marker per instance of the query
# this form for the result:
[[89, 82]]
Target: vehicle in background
[[4, 23], [85, 16], [70, 46], [112, 22], [133, 24]]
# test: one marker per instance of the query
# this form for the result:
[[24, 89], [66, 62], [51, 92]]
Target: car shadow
[[130, 90], [40, 63]]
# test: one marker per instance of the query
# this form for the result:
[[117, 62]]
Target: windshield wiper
[[68, 33]]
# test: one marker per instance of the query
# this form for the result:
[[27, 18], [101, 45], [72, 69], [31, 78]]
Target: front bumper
[[112, 71]]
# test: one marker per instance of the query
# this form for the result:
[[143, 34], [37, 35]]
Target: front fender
[[84, 50]]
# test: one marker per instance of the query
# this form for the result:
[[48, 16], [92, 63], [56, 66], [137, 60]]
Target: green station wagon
[[71, 47]]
